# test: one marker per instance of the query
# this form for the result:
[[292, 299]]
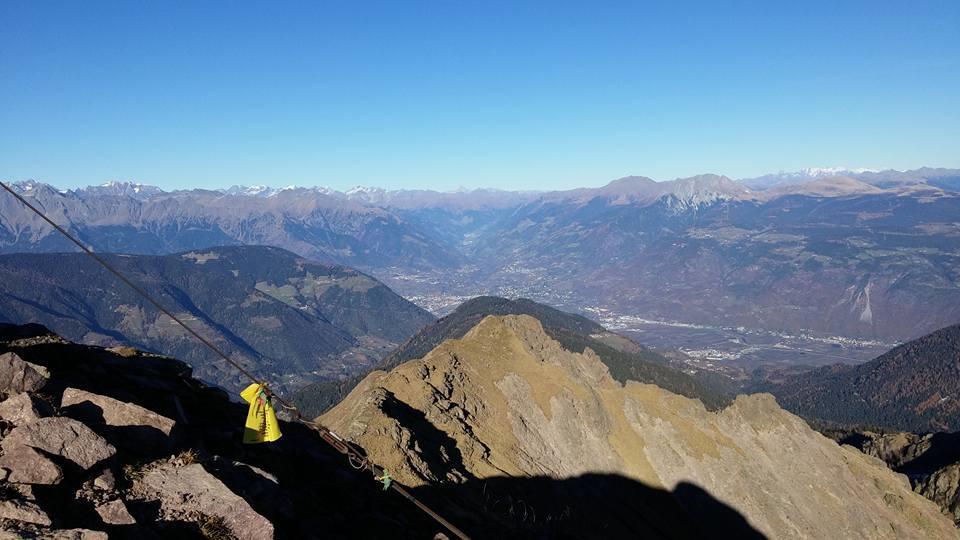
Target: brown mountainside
[[507, 401], [913, 387]]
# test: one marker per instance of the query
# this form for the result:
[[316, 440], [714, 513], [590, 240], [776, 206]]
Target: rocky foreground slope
[[506, 401], [95, 442]]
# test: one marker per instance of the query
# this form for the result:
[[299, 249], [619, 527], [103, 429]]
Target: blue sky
[[445, 94]]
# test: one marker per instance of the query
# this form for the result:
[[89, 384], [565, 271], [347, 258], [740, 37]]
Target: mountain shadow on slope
[[307, 490], [913, 387], [587, 506], [625, 359]]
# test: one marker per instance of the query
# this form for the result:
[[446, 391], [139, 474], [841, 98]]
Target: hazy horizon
[[281, 185]]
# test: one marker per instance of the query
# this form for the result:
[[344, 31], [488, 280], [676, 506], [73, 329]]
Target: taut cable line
[[355, 456]]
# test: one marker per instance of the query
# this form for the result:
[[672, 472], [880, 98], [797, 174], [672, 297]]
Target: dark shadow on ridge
[[438, 449], [587, 506]]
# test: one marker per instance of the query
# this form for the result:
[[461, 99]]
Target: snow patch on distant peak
[[265, 191], [122, 187], [358, 190], [813, 172], [802, 176]]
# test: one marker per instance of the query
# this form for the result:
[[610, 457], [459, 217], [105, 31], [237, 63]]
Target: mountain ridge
[[909, 388], [625, 359], [832, 256], [279, 313], [378, 196], [506, 399]]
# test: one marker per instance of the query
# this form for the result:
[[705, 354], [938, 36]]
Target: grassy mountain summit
[[913, 387], [279, 314], [507, 400], [625, 359]]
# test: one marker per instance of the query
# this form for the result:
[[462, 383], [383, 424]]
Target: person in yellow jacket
[[262, 425]]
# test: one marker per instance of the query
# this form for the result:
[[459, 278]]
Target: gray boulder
[[19, 409], [24, 511], [29, 466], [73, 534], [63, 437], [105, 481], [190, 490], [25, 491], [56, 534], [118, 413], [18, 375], [115, 513]]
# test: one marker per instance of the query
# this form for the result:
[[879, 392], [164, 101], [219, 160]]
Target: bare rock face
[[17, 375], [896, 449], [73, 534], [28, 466], [115, 513], [118, 413], [24, 491], [63, 437], [20, 409], [943, 488], [23, 511], [506, 400], [105, 481], [191, 490], [931, 462]]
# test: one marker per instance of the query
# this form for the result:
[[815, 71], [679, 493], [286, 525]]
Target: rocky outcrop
[[19, 376], [71, 466], [931, 462], [506, 400], [71, 534], [115, 513], [27, 465], [943, 488], [20, 409], [117, 413], [190, 490], [23, 511], [62, 437]]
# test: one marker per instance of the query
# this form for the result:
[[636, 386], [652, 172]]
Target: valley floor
[[733, 351]]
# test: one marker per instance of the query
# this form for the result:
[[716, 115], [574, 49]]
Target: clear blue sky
[[443, 94]]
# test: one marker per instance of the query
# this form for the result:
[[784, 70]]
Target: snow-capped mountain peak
[[815, 172], [801, 176], [121, 188]]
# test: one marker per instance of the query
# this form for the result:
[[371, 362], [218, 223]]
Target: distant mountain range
[[284, 317], [914, 387], [131, 218], [625, 359], [944, 178], [866, 254]]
